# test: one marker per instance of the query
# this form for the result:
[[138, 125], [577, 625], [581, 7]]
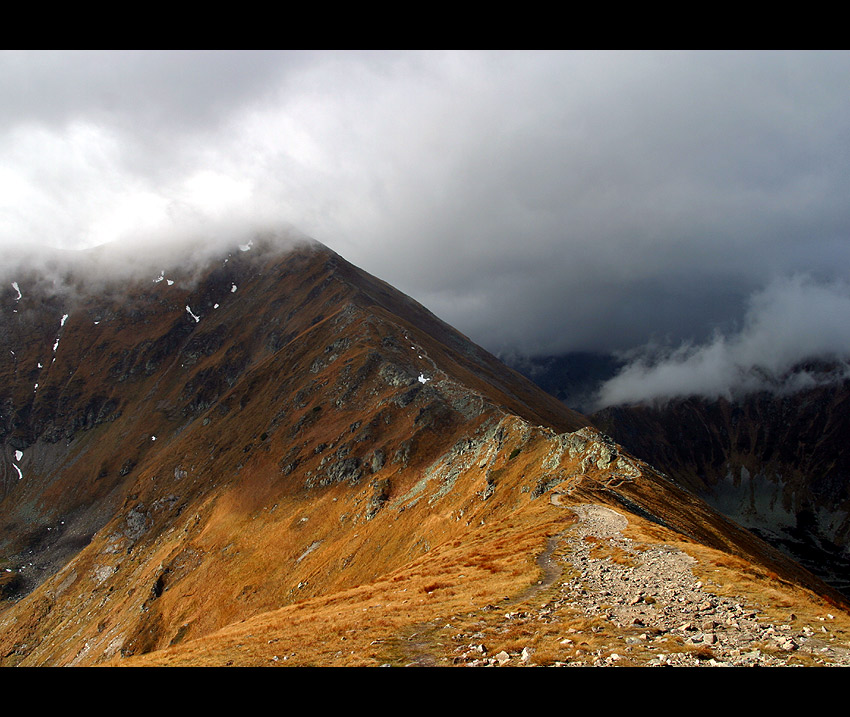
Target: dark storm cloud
[[538, 201]]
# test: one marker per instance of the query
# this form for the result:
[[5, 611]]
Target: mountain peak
[[268, 431]]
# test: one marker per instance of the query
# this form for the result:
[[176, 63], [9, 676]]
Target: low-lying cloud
[[791, 321], [541, 202], [184, 256]]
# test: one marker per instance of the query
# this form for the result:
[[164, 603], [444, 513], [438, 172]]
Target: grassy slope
[[307, 496]]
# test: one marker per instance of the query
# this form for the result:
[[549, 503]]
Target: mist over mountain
[[789, 322], [542, 202]]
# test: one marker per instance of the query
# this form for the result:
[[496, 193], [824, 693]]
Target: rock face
[[278, 438]]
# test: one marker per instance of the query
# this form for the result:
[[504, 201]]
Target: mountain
[[573, 378], [777, 464], [269, 457]]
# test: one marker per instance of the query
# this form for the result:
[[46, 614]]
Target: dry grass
[[372, 623], [396, 589]]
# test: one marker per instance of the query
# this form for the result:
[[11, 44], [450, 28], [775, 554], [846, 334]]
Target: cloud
[[791, 321], [539, 201]]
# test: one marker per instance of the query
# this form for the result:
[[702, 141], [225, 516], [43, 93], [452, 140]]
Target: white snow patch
[[64, 319], [15, 287], [246, 247], [153, 438], [216, 306], [160, 277], [423, 379], [19, 455], [35, 388], [169, 282], [233, 289], [20, 475], [196, 318], [39, 365], [96, 323], [309, 550], [55, 346]]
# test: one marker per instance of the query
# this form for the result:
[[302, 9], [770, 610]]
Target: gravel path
[[654, 588]]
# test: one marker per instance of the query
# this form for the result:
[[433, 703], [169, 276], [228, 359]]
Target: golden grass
[[396, 589], [372, 618]]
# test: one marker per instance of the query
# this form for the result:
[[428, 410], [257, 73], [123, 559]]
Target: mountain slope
[[278, 431], [778, 465]]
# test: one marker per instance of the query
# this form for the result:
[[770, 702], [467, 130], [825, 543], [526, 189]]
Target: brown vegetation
[[308, 500]]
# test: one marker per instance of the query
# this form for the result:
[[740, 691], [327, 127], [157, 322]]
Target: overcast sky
[[539, 202]]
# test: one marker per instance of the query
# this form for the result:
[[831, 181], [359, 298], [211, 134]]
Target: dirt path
[[552, 570], [653, 589]]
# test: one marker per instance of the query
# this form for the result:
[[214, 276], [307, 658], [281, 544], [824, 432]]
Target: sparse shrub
[[703, 653], [435, 586]]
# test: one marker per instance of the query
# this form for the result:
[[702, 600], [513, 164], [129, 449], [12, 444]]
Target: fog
[[541, 202], [789, 322]]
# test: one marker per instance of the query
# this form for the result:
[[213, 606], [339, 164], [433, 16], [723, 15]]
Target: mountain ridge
[[286, 433]]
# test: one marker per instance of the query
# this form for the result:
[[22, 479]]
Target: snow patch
[[160, 277], [233, 289], [55, 346], [19, 455], [246, 247], [39, 365], [423, 379], [216, 306], [169, 282], [309, 550], [153, 438], [16, 288], [64, 319], [196, 318], [20, 475]]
